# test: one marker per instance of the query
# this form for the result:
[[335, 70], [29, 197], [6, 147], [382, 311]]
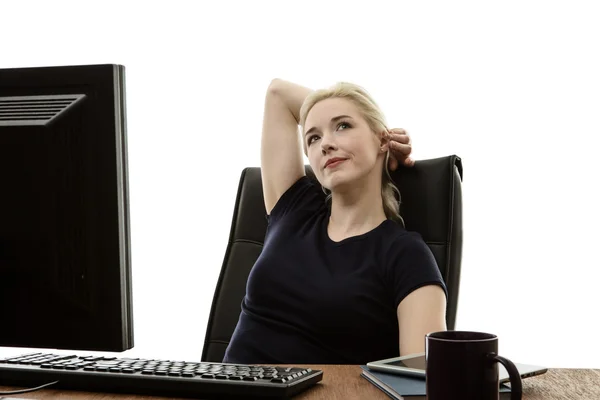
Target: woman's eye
[[345, 124], [310, 139]]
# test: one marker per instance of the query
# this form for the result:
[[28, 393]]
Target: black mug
[[464, 365]]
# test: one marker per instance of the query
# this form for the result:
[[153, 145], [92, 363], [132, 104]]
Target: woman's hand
[[400, 148]]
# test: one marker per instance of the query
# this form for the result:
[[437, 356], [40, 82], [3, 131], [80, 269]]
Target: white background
[[511, 87]]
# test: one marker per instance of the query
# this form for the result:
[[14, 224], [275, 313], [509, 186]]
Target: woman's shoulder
[[400, 240], [407, 250], [304, 194], [396, 232]]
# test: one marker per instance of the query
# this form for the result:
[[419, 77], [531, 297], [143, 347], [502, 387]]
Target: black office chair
[[431, 204]]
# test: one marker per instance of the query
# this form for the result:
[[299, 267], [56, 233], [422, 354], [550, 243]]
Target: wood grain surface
[[344, 382]]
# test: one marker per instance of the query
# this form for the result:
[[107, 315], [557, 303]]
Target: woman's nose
[[327, 143]]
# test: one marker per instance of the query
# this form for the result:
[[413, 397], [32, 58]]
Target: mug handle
[[516, 387]]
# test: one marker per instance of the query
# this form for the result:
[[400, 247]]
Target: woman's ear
[[384, 141]]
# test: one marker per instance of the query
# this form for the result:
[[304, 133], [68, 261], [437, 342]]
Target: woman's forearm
[[292, 94]]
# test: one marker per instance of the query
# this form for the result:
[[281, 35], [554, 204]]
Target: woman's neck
[[355, 211]]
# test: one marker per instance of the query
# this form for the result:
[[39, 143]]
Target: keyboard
[[201, 380]]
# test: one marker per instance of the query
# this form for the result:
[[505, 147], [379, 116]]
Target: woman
[[339, 279]]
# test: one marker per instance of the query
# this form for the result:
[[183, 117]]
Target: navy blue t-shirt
[[311, 300]]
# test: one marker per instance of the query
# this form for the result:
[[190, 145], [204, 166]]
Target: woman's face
[[335, 130]]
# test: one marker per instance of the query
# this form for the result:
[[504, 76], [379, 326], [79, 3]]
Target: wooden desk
[[344, 382]]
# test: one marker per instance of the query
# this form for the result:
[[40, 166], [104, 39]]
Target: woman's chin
[[338, 184]]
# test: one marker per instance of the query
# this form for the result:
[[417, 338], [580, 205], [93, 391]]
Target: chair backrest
[[431, 204]]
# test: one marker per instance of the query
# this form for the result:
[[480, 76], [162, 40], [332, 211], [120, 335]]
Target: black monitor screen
[[65, 274]]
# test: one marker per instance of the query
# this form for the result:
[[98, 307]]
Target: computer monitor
[[65, 261]]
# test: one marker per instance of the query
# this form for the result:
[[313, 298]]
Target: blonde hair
[[375, 118]]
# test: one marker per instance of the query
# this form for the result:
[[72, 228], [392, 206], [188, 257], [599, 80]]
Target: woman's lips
[[335, 163]]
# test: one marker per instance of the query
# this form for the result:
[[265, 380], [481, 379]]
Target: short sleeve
[[304, 194], [411, 265]]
